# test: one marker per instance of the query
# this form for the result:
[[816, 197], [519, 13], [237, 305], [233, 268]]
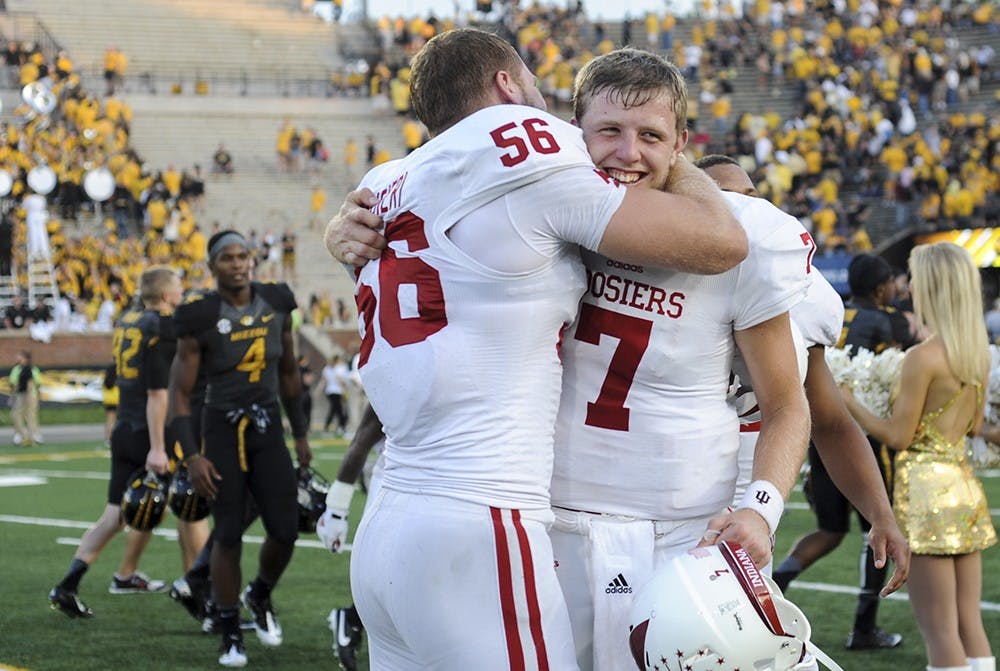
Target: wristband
[[763, 498], [182, 429], [338, 498], [296, 416]]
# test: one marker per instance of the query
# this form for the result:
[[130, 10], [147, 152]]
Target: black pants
[[336, 410]]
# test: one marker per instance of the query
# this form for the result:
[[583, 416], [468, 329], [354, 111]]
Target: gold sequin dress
[[939, 503]]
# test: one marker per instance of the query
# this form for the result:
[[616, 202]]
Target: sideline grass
[[154, 633]]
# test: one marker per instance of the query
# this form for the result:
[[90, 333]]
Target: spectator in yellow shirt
[[413, 135], [350, 155], [316, 202]]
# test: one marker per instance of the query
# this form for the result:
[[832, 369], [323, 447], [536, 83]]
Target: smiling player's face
[[636, 145]]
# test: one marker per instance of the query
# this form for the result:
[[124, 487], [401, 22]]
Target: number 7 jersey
[[644, 429], [460, 357]]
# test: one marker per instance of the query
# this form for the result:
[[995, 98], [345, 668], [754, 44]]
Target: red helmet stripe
[[752, 581], [637, 644]]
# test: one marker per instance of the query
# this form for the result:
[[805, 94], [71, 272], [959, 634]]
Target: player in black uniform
[[241, 334], [143, 349], [869, 323]]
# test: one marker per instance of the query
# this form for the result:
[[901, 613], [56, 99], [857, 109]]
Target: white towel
[[621, 563]]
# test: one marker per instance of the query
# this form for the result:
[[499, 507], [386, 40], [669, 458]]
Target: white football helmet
[[711, 609]]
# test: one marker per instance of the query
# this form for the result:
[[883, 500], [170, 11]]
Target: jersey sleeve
[[820, 317], [161, 354], [577, 204], [278, 294], [196, 314], [773, 278]]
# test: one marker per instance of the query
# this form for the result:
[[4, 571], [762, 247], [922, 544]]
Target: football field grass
[[50, 494]]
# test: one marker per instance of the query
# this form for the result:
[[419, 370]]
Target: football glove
[[332, 529]]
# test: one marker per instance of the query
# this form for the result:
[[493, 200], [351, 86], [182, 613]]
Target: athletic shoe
[[346, 638], [264, 621], [137, 583], [872, 640], [68, 602], [210, 623], [193, 600], [233, 655]]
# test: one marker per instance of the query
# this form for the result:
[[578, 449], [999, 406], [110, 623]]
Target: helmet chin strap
[[822, 657]]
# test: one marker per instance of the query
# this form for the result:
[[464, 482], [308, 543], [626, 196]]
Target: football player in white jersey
[[839, 440], [452, 566], [646, 445]]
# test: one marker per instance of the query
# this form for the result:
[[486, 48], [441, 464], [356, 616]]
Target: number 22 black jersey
[[143, 347]]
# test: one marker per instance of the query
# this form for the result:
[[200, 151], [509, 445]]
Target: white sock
[[983, 663]]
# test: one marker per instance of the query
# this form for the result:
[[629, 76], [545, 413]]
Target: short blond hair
[[154, 282]]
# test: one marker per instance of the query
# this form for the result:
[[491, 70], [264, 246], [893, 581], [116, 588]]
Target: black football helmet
[[186, 503], [144, 502], [312, 498]]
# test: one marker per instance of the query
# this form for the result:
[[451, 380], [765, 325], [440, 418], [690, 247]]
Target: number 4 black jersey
[[240, 347], [143, 347]]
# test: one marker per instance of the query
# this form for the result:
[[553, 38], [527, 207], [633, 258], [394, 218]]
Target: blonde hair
[[631, 78], [947, 297], [154, 281]]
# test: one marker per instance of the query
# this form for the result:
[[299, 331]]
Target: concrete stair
[[187, 130], [172, 38]]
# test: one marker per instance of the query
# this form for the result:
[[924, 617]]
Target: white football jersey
[[820, 317], [817, 320], [644, 429], [459, 359]]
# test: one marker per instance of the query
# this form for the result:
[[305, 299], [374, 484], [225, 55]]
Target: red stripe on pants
[[534, 612], [507, 605]]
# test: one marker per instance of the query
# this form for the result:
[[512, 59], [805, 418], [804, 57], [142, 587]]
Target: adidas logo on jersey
[[618, 586]]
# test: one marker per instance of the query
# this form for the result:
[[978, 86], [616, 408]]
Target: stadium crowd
[[878, 118], [878, 94]]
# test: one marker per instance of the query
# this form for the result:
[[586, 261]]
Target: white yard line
[[167, 533], [171, 534]]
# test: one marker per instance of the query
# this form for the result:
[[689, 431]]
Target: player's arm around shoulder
[[689, 228]]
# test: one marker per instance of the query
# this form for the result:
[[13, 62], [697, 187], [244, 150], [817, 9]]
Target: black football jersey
[[143, 348], [240, 347], [873, 328]]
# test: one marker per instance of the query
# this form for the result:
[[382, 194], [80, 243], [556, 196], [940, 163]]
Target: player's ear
[[575, 122], [503, 84]]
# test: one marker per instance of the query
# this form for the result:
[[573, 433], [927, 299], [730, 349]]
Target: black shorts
[[269, 478], [833, 510], [129, 448]]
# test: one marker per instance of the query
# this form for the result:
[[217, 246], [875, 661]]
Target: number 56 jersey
[[462, 314], [644, 429]]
